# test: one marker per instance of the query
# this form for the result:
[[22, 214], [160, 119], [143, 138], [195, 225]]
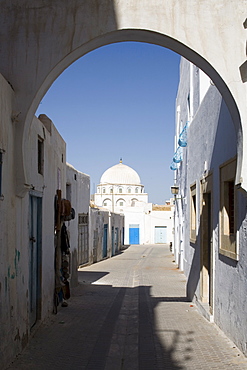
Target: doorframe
[[206, 245]]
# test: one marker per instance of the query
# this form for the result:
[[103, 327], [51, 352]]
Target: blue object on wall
[[182, 141], [174, 166], [178, 155]]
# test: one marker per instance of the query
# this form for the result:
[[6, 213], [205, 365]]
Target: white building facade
[[78, 193], [210, 211], [120, 190]]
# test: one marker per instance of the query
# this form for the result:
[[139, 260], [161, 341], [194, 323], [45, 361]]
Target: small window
[[193, 213], [111, 190], [137, 190], [120, 204], [129, 190], [82, 218], [103, 190], [40, 156], [120, 190], [105, 204], [68, 192]]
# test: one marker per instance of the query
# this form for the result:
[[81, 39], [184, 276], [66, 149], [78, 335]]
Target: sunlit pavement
[[130, 312]]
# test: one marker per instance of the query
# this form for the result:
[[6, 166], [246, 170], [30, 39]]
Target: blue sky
[[116, 102]]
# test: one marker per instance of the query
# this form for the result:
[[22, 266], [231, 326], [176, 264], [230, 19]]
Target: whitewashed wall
[[147, 219], [212, 140], [97, 219], [78, 193], [15, 225]]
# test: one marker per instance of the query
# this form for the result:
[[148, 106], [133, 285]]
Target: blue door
[[160, 234], [112, 241], [116, 240], [104, 254], [35, 243], [134, 234]]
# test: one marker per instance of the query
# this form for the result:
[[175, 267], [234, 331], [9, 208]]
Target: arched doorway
[[40, 42]]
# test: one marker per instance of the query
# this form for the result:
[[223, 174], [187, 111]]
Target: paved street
[[130, 312]]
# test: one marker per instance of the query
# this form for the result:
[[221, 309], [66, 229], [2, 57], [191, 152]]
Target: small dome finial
[[121, 161]]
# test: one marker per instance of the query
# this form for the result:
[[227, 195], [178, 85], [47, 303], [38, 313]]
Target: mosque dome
[[120, 174]]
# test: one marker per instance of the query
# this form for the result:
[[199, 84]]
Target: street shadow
[[106, 327], [89, 277], [127, 335]]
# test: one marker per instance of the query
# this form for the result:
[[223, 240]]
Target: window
[[82, 218], [193, 213], [103, 190], [68, 192], [120, 190], [228, 211], [40, 155], [129, 190], [136, 190], [111, 190], [120, 203], [106, 202]]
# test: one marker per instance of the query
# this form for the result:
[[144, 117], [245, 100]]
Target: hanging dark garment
[[64, 240]]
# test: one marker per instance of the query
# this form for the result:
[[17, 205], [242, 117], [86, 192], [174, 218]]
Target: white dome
[[120, 174]]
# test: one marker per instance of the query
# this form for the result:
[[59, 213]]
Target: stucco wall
[[98, 218], [211, 142], [15, 229], [78, 193], [46, 39], [8, 249], [158, 218], [54, 177]]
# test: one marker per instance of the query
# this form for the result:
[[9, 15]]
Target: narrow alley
[[130, 312]]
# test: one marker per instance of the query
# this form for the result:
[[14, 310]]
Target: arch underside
[[137, 35], [47, 39]]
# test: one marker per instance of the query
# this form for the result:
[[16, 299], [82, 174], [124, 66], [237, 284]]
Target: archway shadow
[[128, 337]]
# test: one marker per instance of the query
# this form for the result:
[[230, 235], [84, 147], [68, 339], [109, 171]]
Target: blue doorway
[[35, 258], [160, 234], [134, 234]]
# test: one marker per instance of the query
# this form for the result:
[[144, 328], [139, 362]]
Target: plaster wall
[[53, 178], [116, 222], [98, 218], [158, 218], [46, 38], [78, 193], [212, 141], [147, 219], [8, 238], [15, 325], [113, 199]]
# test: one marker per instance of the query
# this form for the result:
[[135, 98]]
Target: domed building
[[120, 187], [120, 191]]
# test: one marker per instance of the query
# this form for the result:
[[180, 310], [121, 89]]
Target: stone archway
[[40, 40]]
